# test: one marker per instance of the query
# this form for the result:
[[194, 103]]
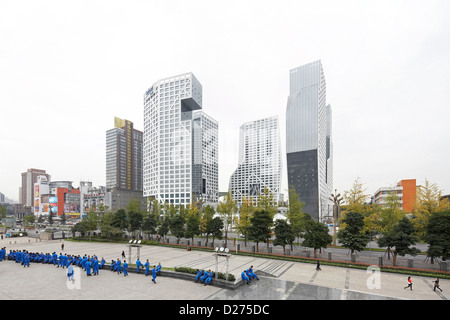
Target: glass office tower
[[309, 144], [180, 143], [259, 161]]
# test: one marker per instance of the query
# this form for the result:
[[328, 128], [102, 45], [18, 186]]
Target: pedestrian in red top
[[409, 283]]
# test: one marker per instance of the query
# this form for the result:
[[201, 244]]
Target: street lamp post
[[336, 198]]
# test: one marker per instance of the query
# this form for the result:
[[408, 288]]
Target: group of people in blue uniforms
[[91, 265], [247, 275], [204, 276], [118, 267]]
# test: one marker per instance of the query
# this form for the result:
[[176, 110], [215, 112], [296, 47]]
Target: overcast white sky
[[68, 67]]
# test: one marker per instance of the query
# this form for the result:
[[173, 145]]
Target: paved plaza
[[279, 280]]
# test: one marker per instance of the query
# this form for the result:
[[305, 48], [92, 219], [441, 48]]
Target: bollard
[[238, 247], [380, 261]]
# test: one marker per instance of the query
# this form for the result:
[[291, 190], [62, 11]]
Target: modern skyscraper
[[124, 156], [180, 143], [259, 161], [309, 145]]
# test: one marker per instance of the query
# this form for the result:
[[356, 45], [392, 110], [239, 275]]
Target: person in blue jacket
[[118, 266], [138, 264], [95, 266], [154, 274], [113, 265], [199, 274], [209, 278], [60, 260], [251, 274], [70, 272], [26, 262], [244, 276], [125, 268], [205, 275], [158, 268], [88, 267], [147, 268], [102, 263]]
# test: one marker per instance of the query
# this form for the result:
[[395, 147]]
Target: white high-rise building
[[180, 143], [309, 145], [259, 161]]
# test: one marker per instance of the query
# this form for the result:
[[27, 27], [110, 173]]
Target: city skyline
[[66, 71]]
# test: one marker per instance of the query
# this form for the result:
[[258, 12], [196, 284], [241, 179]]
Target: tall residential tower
[[124, 156], [180, 143], [309, 144]]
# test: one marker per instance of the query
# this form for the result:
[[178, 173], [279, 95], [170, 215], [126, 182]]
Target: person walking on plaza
[[436, 285], [318, 266], [409, 284]]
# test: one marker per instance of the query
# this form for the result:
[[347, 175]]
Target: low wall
[[185, 276]]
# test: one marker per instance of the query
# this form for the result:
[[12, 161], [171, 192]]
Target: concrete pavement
[[280, 280]]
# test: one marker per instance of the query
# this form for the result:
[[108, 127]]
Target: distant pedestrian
[[318, 266], [436, 285], [409, 284], [123, 254]]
